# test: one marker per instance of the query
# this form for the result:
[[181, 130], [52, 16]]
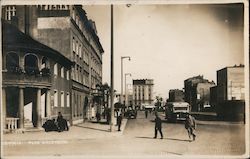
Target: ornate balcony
[[26, 80]]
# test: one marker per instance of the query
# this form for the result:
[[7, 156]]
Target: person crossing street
[[190, 125], [158, 123]]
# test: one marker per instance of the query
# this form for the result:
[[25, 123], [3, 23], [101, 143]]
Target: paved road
[[137, 140]]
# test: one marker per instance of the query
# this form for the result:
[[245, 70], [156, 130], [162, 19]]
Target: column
[[22, 62], [38, 108], [48, 104], [21, 108], [3, 106]]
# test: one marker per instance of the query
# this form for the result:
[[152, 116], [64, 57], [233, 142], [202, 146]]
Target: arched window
[[31, 64], [12, 62]]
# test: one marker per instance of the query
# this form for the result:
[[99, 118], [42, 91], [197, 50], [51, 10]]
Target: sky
[[169, 43]]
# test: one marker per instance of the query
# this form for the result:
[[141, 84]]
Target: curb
[[218, 123]]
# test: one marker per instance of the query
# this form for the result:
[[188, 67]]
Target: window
[[73, 14], [68, 99], [55, 98], [80, 51], [62, 99], [77, 20], [55, 69], [67, 74], [10, 12], [76, 49], [73, 45], [62, 72]]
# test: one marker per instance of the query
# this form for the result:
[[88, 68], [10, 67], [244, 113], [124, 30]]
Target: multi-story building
[[176, 95], [229, 95], [67, 30], [230, 83], [197, 92], [29, 80], [143, 91]]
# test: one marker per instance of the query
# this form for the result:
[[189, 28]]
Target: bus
[[176, 110]]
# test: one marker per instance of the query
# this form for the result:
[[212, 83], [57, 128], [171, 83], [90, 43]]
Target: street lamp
[[123, 57], [126, 74], [112, 74]]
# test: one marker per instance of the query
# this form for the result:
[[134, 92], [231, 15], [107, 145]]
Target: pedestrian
[[62, 123], [190, 125], [98, 117], [158, 126], [119, 122], [146, 113]]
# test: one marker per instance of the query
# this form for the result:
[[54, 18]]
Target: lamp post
[[126, 74], [123, 57], [112, 74]]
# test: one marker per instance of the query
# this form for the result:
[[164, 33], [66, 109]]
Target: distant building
[[197, 92], [176, 95], [143, 91], [229, 95], [230, 83]]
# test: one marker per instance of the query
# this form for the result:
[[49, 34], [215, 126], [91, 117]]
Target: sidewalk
[[82, 131]]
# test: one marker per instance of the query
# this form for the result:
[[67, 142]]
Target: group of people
[[59, 125], [190, 126]]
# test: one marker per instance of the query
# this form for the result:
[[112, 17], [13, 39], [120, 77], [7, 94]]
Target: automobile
[[176, 110], [131, 113]]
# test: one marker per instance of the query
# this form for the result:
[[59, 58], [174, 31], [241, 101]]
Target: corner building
[[66, 29]]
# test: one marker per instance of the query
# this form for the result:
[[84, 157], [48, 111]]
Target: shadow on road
[[91, 128], [143, 137], [176, 139]]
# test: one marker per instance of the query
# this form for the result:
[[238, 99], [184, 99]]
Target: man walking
[[119, 122], [158, 126], [190, 125], [146, 113]]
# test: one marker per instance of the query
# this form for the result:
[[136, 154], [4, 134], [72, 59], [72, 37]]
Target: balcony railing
[[11, 124], [26, 79]]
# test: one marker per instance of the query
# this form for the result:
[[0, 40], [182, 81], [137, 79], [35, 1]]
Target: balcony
[[26, 80]]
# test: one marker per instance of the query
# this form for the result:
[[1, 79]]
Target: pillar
[[38, 108], [21, 64], [48, 104], [21, 108], [3, 106]]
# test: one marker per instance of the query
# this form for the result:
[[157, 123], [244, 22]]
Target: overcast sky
[[170, 43]]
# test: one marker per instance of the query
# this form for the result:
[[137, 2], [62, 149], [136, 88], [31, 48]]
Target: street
[[137, 140]]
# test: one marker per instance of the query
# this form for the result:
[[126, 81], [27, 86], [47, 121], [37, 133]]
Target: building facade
[[228, 97], [143, 91], [67, 30], [176, 95], [230, 83], [197, 92], [29, 80]]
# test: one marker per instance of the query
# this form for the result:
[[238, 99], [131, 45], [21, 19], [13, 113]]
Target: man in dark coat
[[119, 122], [158, 126], [62, 123], [190, 125], [146, 113]]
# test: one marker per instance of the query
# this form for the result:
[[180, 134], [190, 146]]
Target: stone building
[[67, 30], [197, 92], [176, 95], [228, 97], [143, 92], [29, 80]]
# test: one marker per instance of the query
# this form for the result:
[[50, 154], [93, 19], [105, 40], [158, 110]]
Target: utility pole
[[112, 75]]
